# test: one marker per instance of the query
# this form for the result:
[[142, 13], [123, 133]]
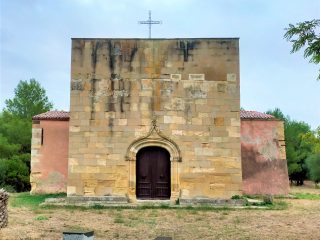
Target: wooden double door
[[153, 173]]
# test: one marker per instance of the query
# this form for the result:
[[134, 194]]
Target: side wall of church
[[49, 156], [187, 88], [264, 162]]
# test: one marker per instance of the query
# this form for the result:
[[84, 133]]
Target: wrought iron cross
[[150, 22]]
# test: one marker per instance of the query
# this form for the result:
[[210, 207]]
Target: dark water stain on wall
[[94, 54], [78, 49], [186, 47], [262, 177], [109, 106], [133, 52], [114, 56], [94, 83], [110, 124], [111, 57]]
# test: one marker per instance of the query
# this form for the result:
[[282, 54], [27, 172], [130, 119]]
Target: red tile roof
[[63, 115], [52, 115], [254, 115]]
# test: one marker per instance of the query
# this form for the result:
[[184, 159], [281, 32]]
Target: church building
[[157, 119]]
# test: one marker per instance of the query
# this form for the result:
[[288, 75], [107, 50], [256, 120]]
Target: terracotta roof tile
[[254, 115], [52, 115], [63, 115]]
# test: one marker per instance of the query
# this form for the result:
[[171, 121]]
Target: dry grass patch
[[298, 217]]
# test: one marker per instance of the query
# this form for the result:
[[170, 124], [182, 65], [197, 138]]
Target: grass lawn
[[287, 219]]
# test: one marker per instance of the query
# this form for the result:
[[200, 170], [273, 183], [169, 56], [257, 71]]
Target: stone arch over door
[[154, 138]]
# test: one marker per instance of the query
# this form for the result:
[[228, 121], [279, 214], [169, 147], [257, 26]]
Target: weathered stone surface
[[189, 87], [211, 201], [4, 199]]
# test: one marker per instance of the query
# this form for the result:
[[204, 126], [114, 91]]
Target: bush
[[14, 172]]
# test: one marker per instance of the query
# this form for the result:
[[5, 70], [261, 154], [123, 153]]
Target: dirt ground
[[300, 220]]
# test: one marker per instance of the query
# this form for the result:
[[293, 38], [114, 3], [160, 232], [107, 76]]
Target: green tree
[[277, 114], [313, 164], [30, 99], [297, 150], [312, 139], [7, 149], [16, 130], [305, 34], [15, 134], [14, 174]]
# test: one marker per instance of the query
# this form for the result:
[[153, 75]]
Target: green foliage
[[7, 149], [30, 99], [309, 196], [236, 197], [15, 134], [304, 34], [26, 200], [16, 130], [297, 150], [14, 172], [15, 147], [313, 164], [41, 218], [277, 114]]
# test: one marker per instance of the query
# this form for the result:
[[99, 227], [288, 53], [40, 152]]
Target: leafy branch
[[305, 34]]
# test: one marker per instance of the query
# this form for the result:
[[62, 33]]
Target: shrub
[[14, 172]]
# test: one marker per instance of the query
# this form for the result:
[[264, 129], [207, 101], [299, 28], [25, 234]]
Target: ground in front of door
[[300, 219]]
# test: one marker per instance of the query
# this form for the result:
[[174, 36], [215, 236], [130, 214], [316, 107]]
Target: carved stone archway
[[154, 138]]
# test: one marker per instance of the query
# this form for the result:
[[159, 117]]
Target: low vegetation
[[309, 196], [288, 218], [30, 201]]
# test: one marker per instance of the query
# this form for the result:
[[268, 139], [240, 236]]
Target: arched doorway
[[153, 177]]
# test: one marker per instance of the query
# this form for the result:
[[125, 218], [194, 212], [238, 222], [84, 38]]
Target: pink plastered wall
[[49, 161], [264, 165]]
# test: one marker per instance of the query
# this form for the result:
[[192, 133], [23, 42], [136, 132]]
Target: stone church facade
[[153, 119]]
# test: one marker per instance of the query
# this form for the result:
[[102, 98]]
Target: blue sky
[[35, 43]]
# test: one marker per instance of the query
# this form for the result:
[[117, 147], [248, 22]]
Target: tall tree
[[305, 34], [297, 150], [15, 134], [313, 164], [30, 99], [312, 139]]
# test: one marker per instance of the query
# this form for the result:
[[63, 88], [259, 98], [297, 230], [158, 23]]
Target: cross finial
[[150, 22]]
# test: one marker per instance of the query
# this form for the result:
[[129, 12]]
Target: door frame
[[154, 138]]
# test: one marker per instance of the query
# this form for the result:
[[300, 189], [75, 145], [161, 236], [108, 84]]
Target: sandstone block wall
[[49, 156], [264, 165], [180, 94]]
